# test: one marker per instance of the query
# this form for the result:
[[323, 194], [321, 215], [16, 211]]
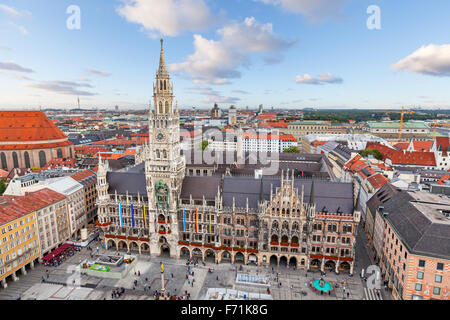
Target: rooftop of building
[[396, 124], [27, 126], [15, 207], [422, 222]]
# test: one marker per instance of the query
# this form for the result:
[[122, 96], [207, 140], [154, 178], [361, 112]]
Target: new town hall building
[[166, 205]]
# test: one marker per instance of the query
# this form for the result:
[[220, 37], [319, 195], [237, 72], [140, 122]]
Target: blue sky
[[281, 53]]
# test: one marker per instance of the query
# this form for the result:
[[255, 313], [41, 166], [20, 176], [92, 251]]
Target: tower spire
[[162, 60]]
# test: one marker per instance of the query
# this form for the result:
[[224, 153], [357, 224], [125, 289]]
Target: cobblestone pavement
[[223, 276]]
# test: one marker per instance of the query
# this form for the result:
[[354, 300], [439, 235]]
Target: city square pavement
[[65, 282]]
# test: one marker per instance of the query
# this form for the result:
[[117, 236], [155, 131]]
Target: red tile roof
[[273, 125], [28, 126], [413, 158], [15, 207], [377, 180], [444, 178], [316, 143], [82, 175], [422, 145], [61, 162], [442, 144], [401, 145]]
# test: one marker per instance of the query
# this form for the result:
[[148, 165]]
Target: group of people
[[117, 293]]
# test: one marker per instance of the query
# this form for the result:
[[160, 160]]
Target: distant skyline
[[280, 53]]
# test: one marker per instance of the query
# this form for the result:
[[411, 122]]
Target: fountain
[[321, 285]]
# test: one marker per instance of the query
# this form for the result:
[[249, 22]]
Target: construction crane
[[401, 125], [434, 129]]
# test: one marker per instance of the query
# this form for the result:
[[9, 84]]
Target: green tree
[[205, 144], [375, 153], [2, 187], [292, 149]]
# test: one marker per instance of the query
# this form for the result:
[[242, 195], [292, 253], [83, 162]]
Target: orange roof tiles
[[61, 162], [442, 144], [273, 125], [34, 146], [422, 145], [401, 145], [413, 158], [28, 126], [444, 178], [79, 176], [377, 180]]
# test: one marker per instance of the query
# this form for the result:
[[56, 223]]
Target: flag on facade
[[120, 214], [145, 219], [184, 219], [196, 220], [132, 216]]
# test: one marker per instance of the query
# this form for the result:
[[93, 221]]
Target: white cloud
[[431, 60], [11, 66], [168, 17], [329, 78], [215, 62], [212, 96], [212, 62], [313, 9], [98, 73], [13, 11], [63, 87], [4, 48], [251, 36], [321, 79], [22, 29], [307, 79]]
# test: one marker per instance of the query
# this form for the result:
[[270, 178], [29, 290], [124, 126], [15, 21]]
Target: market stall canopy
[[57, 252]]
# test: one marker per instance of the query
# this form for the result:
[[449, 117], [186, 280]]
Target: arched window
[[27, 160], [165, 88], [160, 85], [167, 106], [42, 159], [158, 155], [59, 153], [70, 149], [160, 107], [164, 154], [15, 160], [4, 163]]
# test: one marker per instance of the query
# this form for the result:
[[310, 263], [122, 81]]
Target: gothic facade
[[156, 208]]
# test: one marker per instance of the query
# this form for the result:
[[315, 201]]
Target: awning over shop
[[55, 253]]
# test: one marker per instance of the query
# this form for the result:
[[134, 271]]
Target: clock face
[[160, 136]]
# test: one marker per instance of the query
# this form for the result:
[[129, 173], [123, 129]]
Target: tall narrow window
[[167, 106], [15, 160], [160, 107], [42, 159], [27, 160], [59, 153], [4, 163]]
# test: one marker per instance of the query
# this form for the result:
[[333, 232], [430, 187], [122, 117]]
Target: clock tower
[[165, 166]]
